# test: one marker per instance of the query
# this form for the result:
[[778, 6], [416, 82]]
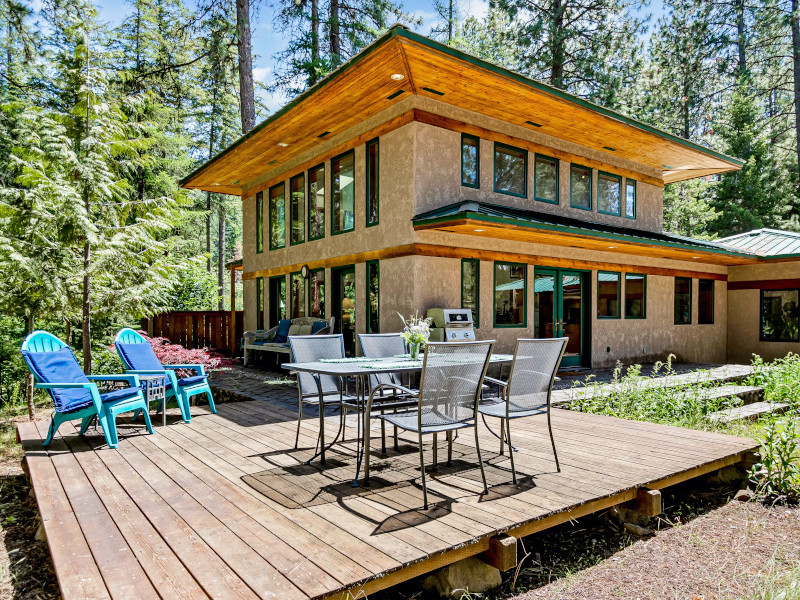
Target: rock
[[727, 476], [744, 495], [636, 530], [468, 575]]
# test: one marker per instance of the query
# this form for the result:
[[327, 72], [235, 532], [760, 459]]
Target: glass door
[[559, 308], [344, 306], [277, 299]]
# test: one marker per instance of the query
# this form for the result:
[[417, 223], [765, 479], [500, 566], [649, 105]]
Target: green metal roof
[[766, 242]]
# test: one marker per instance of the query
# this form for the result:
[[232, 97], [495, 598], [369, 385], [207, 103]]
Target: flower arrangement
[[416, 332]]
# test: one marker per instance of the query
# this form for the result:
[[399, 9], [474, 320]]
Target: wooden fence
[[198, 329]]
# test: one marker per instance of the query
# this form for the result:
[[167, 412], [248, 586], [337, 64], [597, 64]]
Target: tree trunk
[[312, 76], [247, 101], [450, 24], [335, 43], [221, 256], [795, 24], [29, 391], [741, 37], [557, 45], [87, 253], [208, 233]]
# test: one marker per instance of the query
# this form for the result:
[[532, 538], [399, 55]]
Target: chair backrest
[[382, 345], [450, 385], [135, 352], [533, 371], [311, 348], [51, 361]]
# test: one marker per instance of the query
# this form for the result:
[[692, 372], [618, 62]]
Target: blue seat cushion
[[139, 357], [283, 331], [193, 380], [128, 392], [60, 366], [318, 326]]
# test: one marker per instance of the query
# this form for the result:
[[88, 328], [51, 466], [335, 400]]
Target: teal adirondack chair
[[138, 357], [75, 395]]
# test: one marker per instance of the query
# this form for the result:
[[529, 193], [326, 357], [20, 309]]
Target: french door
[[560, 300], [344, 305]]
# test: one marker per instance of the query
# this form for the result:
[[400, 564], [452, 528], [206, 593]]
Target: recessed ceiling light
[[611, 247], [479, 230], [398, 76], [214, 184], [282, 144], [695, 257]]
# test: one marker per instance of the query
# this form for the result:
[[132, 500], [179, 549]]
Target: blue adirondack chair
[[138, 357], [75, 395]]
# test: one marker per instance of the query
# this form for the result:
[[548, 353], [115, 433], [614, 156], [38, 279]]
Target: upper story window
[[373, 182], [297, 210], [635, 296], [780, 315], [259, 222], [580, 187], [510, 170], [609, 194], [545, 179], [470, 161], [705, 301], [343, 192], [683, 301], [277, 216], [316, 202], [630, 198]]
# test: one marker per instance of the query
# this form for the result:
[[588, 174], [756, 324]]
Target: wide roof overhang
[[363, 87]]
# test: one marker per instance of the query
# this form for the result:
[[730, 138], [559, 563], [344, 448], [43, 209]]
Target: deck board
[[178, 514]]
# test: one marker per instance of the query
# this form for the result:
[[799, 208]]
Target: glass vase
[[414, 350]]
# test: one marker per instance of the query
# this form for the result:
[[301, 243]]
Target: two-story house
[[417, 176]]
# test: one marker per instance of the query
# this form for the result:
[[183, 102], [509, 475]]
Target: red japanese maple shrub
[[175, 354]]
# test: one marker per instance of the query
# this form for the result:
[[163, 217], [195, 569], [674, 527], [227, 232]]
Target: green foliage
[[196, 289], [780, 379], [777, 476]]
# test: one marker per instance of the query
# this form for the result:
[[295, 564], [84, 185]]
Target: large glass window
[[683, 301], [635, 296], [297, 308], [277, 216], [373, 182], [316, 299], [705, 301], [630, 198], [780, 315], [608, 293], [471, 286], [297, 214], [343, 192], [609, 194], [580, 187], [259, 303], [470, 161], [316, 202], [259, 222], [545, 179], [510, 291], [373, 297], [510, 170]]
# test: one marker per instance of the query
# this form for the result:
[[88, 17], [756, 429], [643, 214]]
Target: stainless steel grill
[[451, 324]]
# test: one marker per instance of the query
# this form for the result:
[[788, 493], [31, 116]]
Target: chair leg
[[553, 441], [51, 431], [383, 433], [480, 459], [183, 404], [435, 452], [147, 423], [211, 400], [422, 470], [299, 418], [450, 448], [107, 422], [510, 450], [85, 422], [502, 436], [322, 432]]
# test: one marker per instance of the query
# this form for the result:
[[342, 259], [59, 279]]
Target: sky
[[267, 42]]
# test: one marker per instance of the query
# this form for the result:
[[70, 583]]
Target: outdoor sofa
[[277, 338]]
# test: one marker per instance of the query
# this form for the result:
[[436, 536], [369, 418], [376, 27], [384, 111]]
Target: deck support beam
[[502, 552], [647, 502]]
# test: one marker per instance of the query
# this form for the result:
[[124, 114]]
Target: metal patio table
[[360, 370]]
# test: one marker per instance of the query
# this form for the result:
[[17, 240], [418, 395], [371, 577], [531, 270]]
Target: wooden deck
[[224, 508]]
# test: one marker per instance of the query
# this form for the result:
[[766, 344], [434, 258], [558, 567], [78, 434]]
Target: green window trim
[[312, 201], [303, 203], [474, 261], [713, 289], [259, 222], [536, 196], [618, 179], [524, 323], [335, 159], [259, 303], [373, 143], [644, 295], [678, 321], [524, 152], [477, 140], [619, 295], [635, 187], [370, 264], [272, 246], [577, 167], [763, 337]]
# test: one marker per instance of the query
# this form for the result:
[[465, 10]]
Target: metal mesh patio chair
[[528, 389], [450, 386]]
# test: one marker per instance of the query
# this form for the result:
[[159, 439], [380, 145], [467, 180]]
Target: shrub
[[780, 378], [777, 476]]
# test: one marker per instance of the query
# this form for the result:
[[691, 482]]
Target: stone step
[[747, 411]]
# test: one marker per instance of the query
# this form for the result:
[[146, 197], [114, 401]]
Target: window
[[545, 179], [609, 194], [705, 301], [373, 182], [635, 296], [277, 216], [780, 316], [510, 291], [510, 170], [470, 161], [608, 293], [683, 301], [316, 299], [316, 203], [630, 198], [580, 187], [343, 192], [259, 222], [259, 303], [297, 284], [471, 286], [373, 297], [297, 212]]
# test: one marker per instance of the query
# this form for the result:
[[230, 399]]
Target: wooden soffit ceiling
[[363, 87]]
